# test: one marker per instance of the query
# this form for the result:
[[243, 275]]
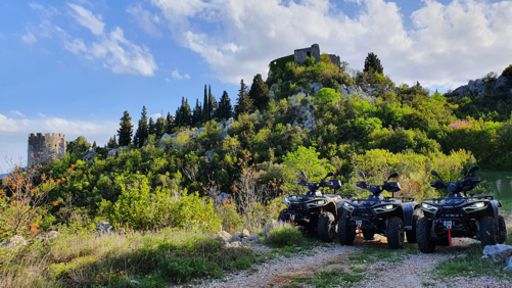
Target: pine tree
[[125, 131], [244, 102], [141, 135], [152, 126], [259, 92], [183, 114], [225, 111], [170, 123], [197, 114], [112, 142], [206, 115], [160, 126], [372, 64]]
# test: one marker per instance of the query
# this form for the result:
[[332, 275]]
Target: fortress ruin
[[43, 148]]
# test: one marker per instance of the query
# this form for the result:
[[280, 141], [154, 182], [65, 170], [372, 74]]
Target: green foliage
[[225, 111], [284, 235], [327, 96], [245, 103], [372, 64], [183, 114], [142, 132], [259, 92], [78, 147], [125, 131], [307, 160]]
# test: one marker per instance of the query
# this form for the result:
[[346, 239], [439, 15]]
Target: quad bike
[[459, 215], [315, 211], [388, 216]]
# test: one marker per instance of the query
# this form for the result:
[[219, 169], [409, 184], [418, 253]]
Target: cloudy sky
[[74, 66]]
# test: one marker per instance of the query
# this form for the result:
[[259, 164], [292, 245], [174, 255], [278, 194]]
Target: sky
[[74, 66]]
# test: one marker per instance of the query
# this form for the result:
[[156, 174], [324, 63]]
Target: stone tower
[[45, 147]]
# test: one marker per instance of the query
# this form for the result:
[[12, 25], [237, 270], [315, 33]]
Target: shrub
[[284, 234]]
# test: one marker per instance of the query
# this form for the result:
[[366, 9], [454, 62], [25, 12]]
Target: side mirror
[[361, 174], [362, 184], [437, 184], [330, 174], [435, 174], [336, 184], [392, 175]]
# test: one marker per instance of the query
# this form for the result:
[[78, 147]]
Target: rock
[[103, 227], [235, 244], [223, 236], [497, 252], [89, 156], [235, 237], [133, 282], [245, 233], [508, 268], [48, 236], [14, 242], [221, 198], [166, 139]]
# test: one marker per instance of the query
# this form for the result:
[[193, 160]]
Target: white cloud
[[14, 133], [17, 113], [87, 19], [28, 38], [446, 45], [146, 20], [118, 54], [175, 74]]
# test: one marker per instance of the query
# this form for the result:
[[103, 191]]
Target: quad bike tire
[[395, 233], [487, 230], [425, 244], [442, 241], [346, 232], [411, 234], [502, 230], [368, 234], [326, 226]]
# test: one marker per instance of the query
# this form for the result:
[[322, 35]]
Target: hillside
[[222, 166]]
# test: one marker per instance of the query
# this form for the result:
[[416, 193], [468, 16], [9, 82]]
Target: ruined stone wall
[[45, 147], [300, 55]]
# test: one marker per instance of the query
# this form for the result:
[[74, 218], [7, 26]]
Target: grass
[[284, 235], [141, 260], [375, 254], [471, 264]]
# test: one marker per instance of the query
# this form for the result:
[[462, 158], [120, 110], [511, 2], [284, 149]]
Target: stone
[[48, 236], [223, 236], [14, 242], [245, 233], [103, 227], [508, 268], [497, 252], [234, 244]]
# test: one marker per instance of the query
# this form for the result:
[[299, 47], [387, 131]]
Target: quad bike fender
[[495, 205], [331, 207], [408, 214]]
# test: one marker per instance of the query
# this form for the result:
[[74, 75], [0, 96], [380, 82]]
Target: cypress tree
[[259, 92], [197, 114], [225, 111], [244, 102], [141, 135], [112, 142], [212, 103], [206, 115], [125, 131]]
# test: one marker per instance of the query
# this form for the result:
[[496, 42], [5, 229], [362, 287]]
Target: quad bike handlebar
[[467, 183]]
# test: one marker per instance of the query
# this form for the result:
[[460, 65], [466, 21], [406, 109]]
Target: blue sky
[[74, 66]]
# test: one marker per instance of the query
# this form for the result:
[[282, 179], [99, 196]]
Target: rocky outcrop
[[499, 253], [15, 241]]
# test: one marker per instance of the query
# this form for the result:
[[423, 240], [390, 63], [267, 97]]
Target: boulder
[[48, 236], [235, 244], [14, 242], [497, 252], [245, 233], [508, 268], [103, 227], [223, 236]]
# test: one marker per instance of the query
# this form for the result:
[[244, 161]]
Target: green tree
[[79, 147], [160, 126], [125, 131], [212, 102], [225, 110], [259, 92], [372, 64], [112, 142], [152, 126], [142, 132], [197, 114], [307, 160], [170, 123], [183, 114], [244, 102]]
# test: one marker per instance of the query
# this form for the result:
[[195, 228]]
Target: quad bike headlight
[[429, 208], [476, 206], [384, 208], [286, 201], [347, 206], [316, 203]]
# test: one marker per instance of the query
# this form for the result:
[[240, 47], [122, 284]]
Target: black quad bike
[[315, 211], [459, 215], [387, 216]]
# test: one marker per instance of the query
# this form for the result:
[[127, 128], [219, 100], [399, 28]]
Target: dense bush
[[284, 234]]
